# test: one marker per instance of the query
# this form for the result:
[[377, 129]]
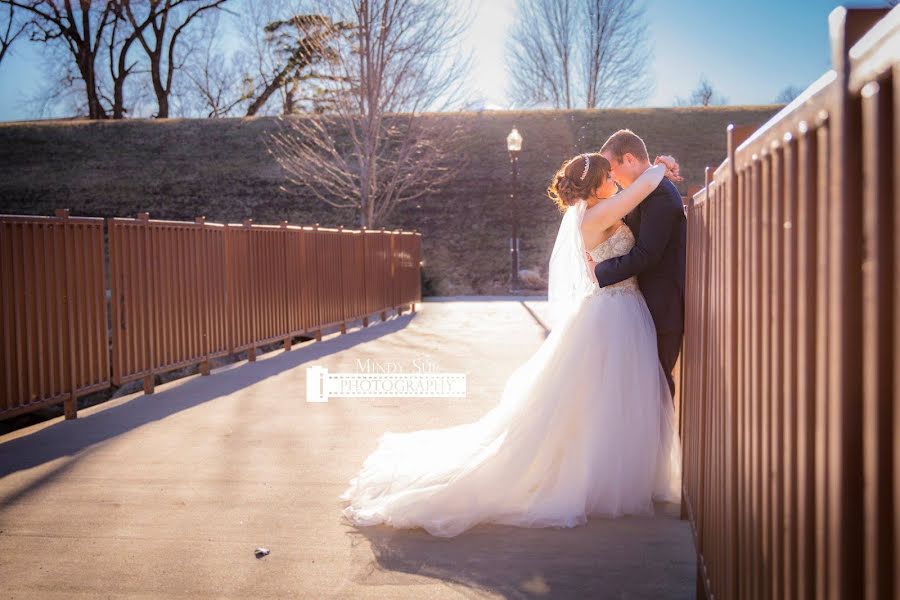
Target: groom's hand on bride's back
[[591, 264]]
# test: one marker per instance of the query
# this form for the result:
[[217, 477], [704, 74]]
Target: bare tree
[[98, 38], [703, 95], [787, 95], [218, 86], [542, 52], [374, 149], [120, 62], [9, 31], [588, 53], [61, 92], [80, 29], [168, 20], [617, 58]]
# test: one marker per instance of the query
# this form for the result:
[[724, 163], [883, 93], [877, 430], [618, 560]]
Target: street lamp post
[[514, 146]]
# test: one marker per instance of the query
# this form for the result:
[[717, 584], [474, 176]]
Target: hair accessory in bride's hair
[[587, 165]]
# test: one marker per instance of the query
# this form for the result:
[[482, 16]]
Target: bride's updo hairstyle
[[577, 178]]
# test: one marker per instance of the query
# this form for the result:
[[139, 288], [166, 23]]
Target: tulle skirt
[[585, 426]]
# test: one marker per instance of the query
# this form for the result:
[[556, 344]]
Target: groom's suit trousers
[[669, 346]]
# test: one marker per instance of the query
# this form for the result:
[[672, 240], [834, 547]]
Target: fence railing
[[179, 294], [791, 423]]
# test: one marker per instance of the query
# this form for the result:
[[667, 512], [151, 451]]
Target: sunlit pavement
[[170, 494]]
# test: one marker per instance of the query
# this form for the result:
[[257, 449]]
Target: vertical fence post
[[845, 511], [251, 314], [341, 270], [70, 404], [365, 290], [730, 396], [397, 248], [229, 308], [878, 355], [417, 269], [146, 325], [388, 257], [315, 246], [701, 397], [204, 274], [687, 350], [288, 340]]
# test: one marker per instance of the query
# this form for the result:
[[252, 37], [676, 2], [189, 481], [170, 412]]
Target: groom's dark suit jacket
[[657, 258]]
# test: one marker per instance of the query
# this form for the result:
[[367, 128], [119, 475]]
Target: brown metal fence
[[790, 382], [180, 294]]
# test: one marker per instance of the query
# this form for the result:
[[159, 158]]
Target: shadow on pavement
[[630, 557], [66, 438]]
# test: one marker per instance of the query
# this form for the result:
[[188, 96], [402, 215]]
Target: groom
[[658, 256]]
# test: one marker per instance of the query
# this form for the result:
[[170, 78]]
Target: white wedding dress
[[585, 426]]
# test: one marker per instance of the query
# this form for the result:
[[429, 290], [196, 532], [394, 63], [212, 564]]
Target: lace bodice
[[618, 244]]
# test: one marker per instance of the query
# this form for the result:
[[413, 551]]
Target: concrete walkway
[[168, 495]]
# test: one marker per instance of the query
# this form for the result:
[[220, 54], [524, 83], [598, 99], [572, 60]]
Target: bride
[[585, 426]]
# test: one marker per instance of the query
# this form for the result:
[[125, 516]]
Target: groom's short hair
[[624, 141]]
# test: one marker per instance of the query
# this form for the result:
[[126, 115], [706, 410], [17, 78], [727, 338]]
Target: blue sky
[[749, 49]]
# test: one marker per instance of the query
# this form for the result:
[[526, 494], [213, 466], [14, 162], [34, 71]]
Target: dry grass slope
[[182, 168]]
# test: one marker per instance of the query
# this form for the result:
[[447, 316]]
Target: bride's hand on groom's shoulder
[[671, 167]]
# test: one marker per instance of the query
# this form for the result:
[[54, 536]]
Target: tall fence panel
[[353, 275], [258, 296], [791, 423], [53, 322], [304, 279], [168, 295], [329, 250], [407, 256], [378, 270]]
